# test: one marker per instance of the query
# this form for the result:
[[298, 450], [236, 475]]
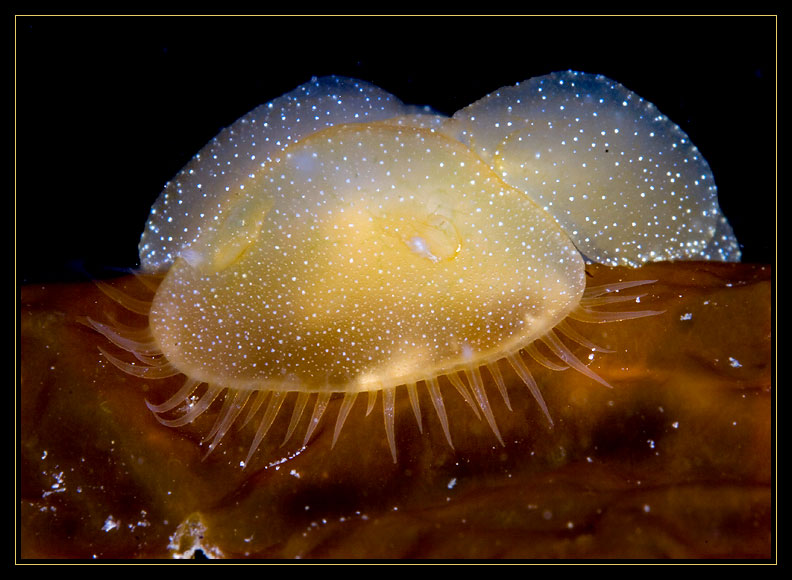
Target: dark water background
[[109, 109]]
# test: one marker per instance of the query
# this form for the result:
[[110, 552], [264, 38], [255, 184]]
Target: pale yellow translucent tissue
[[385, 255]]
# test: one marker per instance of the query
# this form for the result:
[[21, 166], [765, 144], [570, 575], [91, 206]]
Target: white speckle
[[376, 251], [110, 524]]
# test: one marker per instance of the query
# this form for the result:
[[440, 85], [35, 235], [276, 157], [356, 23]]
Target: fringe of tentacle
[[193, 398]]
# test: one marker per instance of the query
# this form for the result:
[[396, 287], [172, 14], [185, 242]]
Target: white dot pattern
[[384, 253], [191, 201], [624, 182], [337, 240]]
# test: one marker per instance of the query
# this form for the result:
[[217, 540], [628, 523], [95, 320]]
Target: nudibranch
[[336, 241]]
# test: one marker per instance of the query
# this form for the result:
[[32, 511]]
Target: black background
[[109, 108]]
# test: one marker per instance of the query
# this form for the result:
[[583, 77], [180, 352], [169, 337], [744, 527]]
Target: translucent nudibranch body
[[625, 183], [336, 240]]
